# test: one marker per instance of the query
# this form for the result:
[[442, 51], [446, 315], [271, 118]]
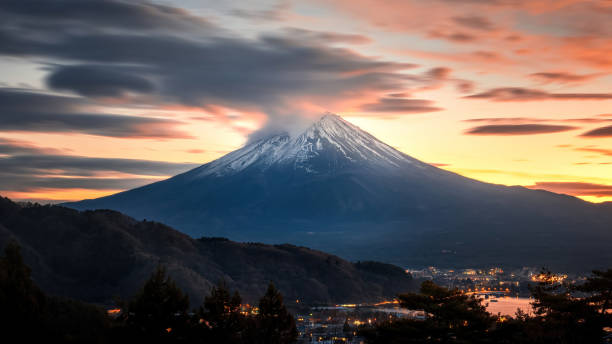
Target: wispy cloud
[[599, 132], [563, 77], [38, 112], [520, 94], [400, 106], [518, 129]]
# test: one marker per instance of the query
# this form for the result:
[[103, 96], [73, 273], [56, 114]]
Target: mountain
[[337, 188], [97, 255]]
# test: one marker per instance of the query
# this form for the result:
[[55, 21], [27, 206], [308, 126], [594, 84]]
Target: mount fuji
[[337, 188]]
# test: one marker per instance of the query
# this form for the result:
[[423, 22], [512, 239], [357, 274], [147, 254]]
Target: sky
[[97, 96]]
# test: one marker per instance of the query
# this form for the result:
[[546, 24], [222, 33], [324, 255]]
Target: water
[[508, 305]]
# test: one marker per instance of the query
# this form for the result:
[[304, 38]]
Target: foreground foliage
[[158, 313], [563, 314]]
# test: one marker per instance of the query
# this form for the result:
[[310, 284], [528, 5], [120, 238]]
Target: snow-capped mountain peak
[[329, 143]]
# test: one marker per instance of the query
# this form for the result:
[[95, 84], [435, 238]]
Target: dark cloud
[[68, 165], [96, 14], [475, 22], [267, 73], [517, 129], [27, 183], [26, 167], [27, 171], [575, 188], [526, 94], [401, 105], [98, 81], [29, 111], [563, 77], [599, 132], [13, 147]]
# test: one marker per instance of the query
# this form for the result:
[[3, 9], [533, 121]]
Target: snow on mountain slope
[[331, 133]]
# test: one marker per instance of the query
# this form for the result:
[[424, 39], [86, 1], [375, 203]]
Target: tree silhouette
[[562, 317], [221, 315], [274, 323], [22, 302], [28, 314], [451, 317], [599, 286], [158, 310]]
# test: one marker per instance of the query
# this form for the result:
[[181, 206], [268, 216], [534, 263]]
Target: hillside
[[97, 255], [336, 188]]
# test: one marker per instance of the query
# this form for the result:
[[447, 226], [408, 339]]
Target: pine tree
[[221, 315], [275, 324], [450, 317], [158, 310], [599, 288], [562, 317]]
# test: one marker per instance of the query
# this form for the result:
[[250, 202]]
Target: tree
[[21, 301], [30, 315], [275, 325], [158, 310], [221, 315], [569, 314], [599, 288], [451, 316]]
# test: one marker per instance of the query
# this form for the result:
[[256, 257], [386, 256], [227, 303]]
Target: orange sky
[[510, 92]]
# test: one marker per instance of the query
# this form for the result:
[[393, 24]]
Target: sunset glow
[[508, 92]]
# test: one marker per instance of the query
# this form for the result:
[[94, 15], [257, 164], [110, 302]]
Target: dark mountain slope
[[337, 188], [96, 255]]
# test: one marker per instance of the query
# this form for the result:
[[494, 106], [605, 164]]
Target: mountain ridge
[[98, 255], [337, 188]]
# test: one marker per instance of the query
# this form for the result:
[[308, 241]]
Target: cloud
[[465, 86], [26, 167], [13, 147], [591, 149], [87, 166], [29, 111], [98, 80], [459, 37], [563, 77], [400, 105], [599, 132], [575, 188], [566, 34], [25, 173], [439, 73], [97, 14], [528, 120], [517, 129], [505, 94], [327, 36], [269, 73], [25, 183], [277, 12], [474, 22]]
